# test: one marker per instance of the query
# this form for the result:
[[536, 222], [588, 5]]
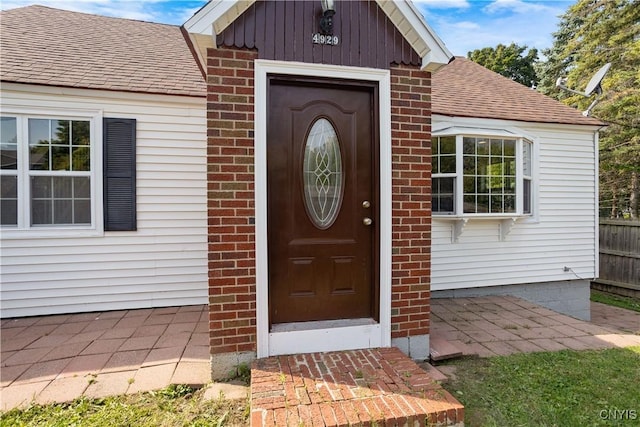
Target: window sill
[[458, 223], [48, 233]]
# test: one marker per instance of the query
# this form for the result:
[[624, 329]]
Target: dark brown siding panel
[[259, 16], [309, 28], [239, 30], [282, 30]]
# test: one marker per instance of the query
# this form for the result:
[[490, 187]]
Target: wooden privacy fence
[[620, 254]]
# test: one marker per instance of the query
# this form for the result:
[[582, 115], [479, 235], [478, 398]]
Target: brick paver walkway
[[59, 358], [615, 317], [503, 325], [360, 387]]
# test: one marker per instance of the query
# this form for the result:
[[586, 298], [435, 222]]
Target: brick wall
[[231, 215], [230, 196], [411, 201]]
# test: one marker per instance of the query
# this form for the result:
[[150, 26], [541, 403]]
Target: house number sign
[[318, 38]]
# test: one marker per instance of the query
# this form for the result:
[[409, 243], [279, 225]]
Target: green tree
[[509, 61], [590, 34]]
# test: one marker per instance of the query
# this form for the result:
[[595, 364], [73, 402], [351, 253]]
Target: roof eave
[[216, 15], [418, 33]]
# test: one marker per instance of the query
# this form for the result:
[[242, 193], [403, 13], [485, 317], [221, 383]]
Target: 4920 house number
[[318, 38]]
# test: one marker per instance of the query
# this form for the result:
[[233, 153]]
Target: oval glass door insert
[[322, 172]]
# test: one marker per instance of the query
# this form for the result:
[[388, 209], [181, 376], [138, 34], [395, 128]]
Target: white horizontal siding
[[164, 262], [562, 233]]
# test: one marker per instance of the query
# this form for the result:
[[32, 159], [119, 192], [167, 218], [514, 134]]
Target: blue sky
[[463, 25]]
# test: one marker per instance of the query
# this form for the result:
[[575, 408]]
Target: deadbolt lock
[[366, 204]]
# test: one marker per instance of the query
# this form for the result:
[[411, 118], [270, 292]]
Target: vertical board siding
[[563, 233], [282, 30], [620, 253], [164, 262]]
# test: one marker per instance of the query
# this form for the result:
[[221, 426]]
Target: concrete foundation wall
[[570, 297]]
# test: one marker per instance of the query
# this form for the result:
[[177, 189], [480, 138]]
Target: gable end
[[282, 30]]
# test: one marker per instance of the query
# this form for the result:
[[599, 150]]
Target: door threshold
[[327, 335], [321, 324]]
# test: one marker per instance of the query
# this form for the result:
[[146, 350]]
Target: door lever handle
[[367, 221]]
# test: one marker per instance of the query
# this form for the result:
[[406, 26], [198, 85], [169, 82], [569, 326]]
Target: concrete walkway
[[59, 358]]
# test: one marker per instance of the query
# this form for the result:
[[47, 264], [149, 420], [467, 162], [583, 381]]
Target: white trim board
[[326, 339]]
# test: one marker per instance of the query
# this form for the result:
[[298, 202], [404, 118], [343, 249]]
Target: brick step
[[357, 387], [443, 350]]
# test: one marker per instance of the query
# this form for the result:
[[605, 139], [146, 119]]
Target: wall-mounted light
[[326, 22]]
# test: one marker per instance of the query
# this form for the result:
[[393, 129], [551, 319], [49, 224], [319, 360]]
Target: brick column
[[411, 207], [230, 204]]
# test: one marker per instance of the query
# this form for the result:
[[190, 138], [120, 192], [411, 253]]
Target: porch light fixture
[[326, 22]]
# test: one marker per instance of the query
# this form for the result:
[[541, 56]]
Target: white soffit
[[217, 15], [410, 22]]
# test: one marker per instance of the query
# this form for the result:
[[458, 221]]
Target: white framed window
[[482, 175], [48, 171]]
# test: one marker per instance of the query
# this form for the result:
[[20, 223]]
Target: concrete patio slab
[[230, 390]]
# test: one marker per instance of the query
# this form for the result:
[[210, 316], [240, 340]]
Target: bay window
[[482, 175]]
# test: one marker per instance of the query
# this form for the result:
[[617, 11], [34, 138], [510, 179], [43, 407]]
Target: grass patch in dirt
[[615, 300], [565, 388], [176, 405]]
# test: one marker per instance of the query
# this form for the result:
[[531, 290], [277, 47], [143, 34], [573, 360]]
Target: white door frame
[[335, 337]]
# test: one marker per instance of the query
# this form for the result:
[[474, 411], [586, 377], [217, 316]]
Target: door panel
[[322, 268]]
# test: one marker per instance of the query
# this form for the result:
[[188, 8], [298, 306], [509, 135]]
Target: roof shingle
[[466, 89], [42, 45]]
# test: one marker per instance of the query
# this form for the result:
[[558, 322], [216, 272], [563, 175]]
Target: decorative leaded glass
[[323, 176]]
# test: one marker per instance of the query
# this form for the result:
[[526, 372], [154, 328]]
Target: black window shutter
[[119, 169]]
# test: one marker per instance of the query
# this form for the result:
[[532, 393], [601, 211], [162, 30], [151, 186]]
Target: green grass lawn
[[172, 406], [566, 388], [615, 300]]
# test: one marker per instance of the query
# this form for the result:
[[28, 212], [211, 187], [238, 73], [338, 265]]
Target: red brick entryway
[[359, 387], [238, 133]]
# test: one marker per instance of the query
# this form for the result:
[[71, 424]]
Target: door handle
[[367, 221]]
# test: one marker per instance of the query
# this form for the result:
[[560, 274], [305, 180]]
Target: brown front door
[[322, 147]]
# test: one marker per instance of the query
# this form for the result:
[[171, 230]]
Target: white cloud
[[501, 21], [165, 11], [443, 4], [518, 6], [462, 37]]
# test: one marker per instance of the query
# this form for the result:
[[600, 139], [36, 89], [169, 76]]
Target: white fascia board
[[428, 45], [475, 131], [216, 16]]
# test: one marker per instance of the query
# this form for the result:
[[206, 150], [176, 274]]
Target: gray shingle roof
[[465, 89], [42, 45]]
